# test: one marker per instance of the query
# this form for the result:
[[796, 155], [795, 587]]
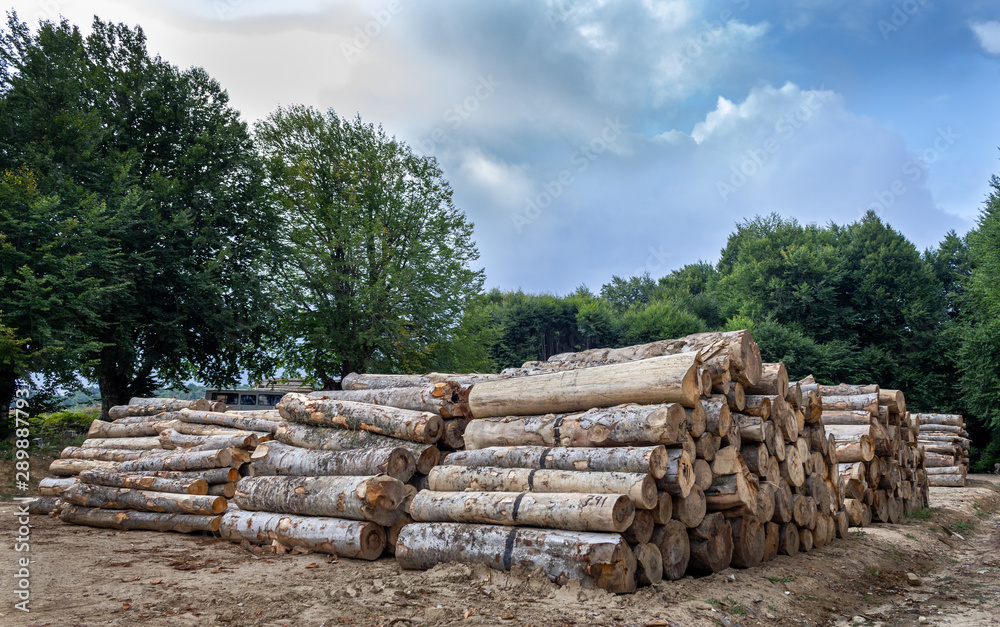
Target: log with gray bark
[[153, 406], [639, 487], [170, 439], [651, 459], [277, 458], [102, 429], [335, 536], [264, 421], [417, 426], [132, 444], [54, 486], [376, 498], [101, 454], [117, 479], [575, 512], [135, 520], [419, 399], [70, 467], [105, 497], [595, 559], [196, 428], [331, 439], [181, 460], [773, 381]]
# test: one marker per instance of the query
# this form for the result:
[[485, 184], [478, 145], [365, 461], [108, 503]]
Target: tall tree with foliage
[[157, 183], [375, 266]]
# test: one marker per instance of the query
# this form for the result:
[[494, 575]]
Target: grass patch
[[910, 536], [785, 579], [924, 513], [738, 609], [960, 526]]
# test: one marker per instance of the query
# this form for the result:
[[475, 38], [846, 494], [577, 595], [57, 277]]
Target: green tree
[[375, 262], [159, 176]]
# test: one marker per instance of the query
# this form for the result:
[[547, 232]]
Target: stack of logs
[[334, 481], [161, 464], [881, 469], [946, 443]]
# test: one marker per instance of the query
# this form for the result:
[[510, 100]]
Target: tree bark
[[135, 520], [954, 420], [758, 406], [70, 467], [595, 559], [266, 421], [133, 444], [860, 402], [105, 497], [101, 454], [678, 477], [346, 538], [153, 406], [102, 429], [639, 487], [622, 425], [857, 449], [329, 439], [277, 458], [453, 434], [696, 420], [751, 427], [115, 479], [417, 426], [736, 397], [956, 480], [182, 460], [356, 498], [355, 381], [54, 486], [717, 415], [844, 389], [663, 511], [211, 475], [170, 439], [671, 538], [707, 446], [755, 456], [574, 512], [651, 459], [423, 399], [702, 473]]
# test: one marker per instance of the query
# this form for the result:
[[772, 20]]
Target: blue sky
[[587, 139]]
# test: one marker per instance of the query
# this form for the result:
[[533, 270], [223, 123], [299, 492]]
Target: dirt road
[[84, 576]]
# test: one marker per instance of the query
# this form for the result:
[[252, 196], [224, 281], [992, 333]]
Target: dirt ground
[[85, 576]]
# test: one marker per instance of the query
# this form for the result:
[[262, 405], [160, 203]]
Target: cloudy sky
[[589, 138]]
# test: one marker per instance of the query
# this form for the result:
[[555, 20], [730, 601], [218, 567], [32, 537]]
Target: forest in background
[[149, 238]]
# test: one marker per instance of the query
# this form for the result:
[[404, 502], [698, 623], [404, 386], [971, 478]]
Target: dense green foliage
[[374, 264]]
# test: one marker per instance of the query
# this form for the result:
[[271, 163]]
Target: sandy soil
[[84, 576]]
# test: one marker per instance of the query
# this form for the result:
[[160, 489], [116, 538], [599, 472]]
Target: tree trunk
[[227, 490], [758, 406], [346, 538], [392, 532], [953, 480], [791, 468], [574, 512], [751, 427], [707, 446], [717, 415], [622, 425], [748, 542], [102, 429], [170, 439], [105, 497], [101, 454], [192, 428], [355, 381], [246, 421], [848, 417], [860, 402], [736, 397], [70, 467], [857, 449], [133, 444], [423, 400], [417, 426], [277, 458], [772, 537], [115, 479], [328, 439], [788, 539], [651, 459], [782, 503], [53, 486], [846, 390], [711, 545], [133, 520], [453, 434], [650, 564], [696, 420], [671, 538], [805, 540], [641, 529], [954, 420], [678, 477], [356, 498], [639, 487], [727, 461], [211, 475], [153, 406], [730, 491], [773, 381], [702, 473], [182, 460], [690, 509], [794, 395], [594, 559], [755, 456], [895, 400]]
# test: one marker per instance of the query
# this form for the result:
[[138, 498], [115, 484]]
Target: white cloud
[[988, 34]]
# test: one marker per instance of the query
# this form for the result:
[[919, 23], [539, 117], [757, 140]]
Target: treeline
[[850, 303]]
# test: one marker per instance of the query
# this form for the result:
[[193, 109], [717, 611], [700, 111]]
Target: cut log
[[664, 509], [357, 498], [651, 459], [791, 467], [812, 406], [355, 381], [773, 381], [417, 426], [782, 503], [844, 389], [134, 444], [954, 420], [227, 490], [841, 523], [423, 399], [170, 439], [671, 538], [757, 406], [329, 439], [392, 532], [751, 427], [211, 475], [649, 568], [736, 397], [43, 505], [277, 458], [765, 501], [748, 542], [717, 415], [690, 510], [711, 545], [849, 417], [193, 428], [622, 425], [707, 445], [453, 434], [727, 461], [266, 422], [857, 449], [805, 540], [184, 460], [755, 456], [702, 473], [668, 379], [105, 497], [772, 538], [55, 486], [641, 529], [639, 487], [678, 476], [895, 400], [136, 520], [731, 491], [719, 367], [346, 538], [697, 421], [788, 539], [794, 395], [953, 480], [859, 402], [595, 559], [70, 467], [102, 429], [153, 406], [101, 454], [116, 479], [733, 438]]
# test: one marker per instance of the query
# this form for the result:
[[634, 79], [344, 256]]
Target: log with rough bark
[[117, 479], [748, 541], [181, 460], [895, 400], [639, 487], [727, 461], [622, 425], [788, 539], [43, 505], [355, 381], [719, 368], [105, 497], [392, 533], [668, 379], [277, 458], [375, 498], [782, 503], [791, 468], [702, 473], [170, 439], [346, 538], [755, 455], [758, 406], [641, 528], [102, 429], [772, 538], [416, 426], [859, 448], [859, 402], [227, 490], [671, 538], [264, 421], [70, 467], [751, 427], [649, 569], [132, 444], [330, 439], [196, 428], [690, 509], [137, 520], [946, 470], [733, 438], [711, 545], [211, 475], [153, 406], [575, 512], [954, 420], [101, 454], [845, 389], [805, 540], [54, 486], [651, 459], [773, 381], [595, 559], [732, 491], [956, 480], [678, 477], [794, 396], [418, 399]]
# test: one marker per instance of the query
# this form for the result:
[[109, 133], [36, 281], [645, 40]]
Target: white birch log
[[375, 498], [346, 538]]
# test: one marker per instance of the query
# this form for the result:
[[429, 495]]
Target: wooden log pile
[[880, 462], [946, 445]]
